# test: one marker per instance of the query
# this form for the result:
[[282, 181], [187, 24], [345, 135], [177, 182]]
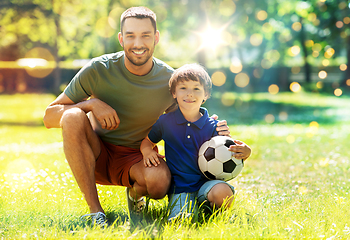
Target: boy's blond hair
[[194, 72]]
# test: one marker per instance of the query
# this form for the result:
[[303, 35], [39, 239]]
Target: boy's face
[[190, 95]]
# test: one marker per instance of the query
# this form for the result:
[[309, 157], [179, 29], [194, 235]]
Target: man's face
[[138, 40]]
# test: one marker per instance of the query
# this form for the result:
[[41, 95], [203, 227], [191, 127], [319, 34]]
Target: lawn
[[295, 185]]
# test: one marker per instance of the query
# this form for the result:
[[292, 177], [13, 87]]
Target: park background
[[281, 79]]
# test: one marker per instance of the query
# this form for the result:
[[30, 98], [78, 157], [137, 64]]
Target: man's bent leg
[[153, 182], [82, 147]]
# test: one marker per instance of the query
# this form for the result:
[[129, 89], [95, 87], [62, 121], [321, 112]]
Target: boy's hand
[[152, 158], [222, 127], [240, 150]]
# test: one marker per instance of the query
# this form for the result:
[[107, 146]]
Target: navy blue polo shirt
[[182, 142]]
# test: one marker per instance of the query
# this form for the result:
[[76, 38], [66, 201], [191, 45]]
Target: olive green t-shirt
[[138, 100]]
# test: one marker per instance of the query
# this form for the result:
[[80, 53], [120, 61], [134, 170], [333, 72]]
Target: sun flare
[[211, 38]]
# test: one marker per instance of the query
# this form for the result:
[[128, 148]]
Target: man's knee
[[158, 181], [74, 119]]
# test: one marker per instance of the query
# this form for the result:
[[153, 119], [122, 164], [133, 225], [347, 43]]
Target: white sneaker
[[97, 219], [135, 207]]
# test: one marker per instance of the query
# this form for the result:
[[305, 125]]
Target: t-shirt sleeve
[[155, 135], [82, 84]]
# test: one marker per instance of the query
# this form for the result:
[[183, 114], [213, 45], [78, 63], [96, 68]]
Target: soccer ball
[[215, 160]]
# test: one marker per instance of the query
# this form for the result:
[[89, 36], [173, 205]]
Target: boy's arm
[[150, 157], [241, 150]]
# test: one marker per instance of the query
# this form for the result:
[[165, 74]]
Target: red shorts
[[114, 163]]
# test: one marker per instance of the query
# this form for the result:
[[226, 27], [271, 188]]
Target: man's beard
[[135, 60]]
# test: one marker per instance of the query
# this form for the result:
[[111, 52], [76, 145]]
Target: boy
[[183, 132]]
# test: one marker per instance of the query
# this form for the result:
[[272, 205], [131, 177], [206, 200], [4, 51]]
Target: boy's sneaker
[[97, 219], [135, 207]]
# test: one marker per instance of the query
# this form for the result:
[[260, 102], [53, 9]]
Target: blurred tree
[[235, 34]]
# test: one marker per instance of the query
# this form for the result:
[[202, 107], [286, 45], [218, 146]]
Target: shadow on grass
[[19, 124]]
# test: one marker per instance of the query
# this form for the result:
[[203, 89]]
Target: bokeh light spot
[[290, 139], [256, 39], [293, 51], [38, 62], [324, 162], [338, 92], [329, 53], [314, 124], [295, 70], [228, 99], [227, 7], [296, 26], [19, 174], [104, 28], [273, 89], [242, 80], [322, 74], [295, 87], [236, 65], [269, 118], [339, 24], [273, 55], [258, 72], [218, 78], [348, 82], [313, 129], [283, 116], [302, 190], [309, 43], [319, 84], [325, 62], [261, 15], [346, 20], [266, 63], [343, 67], [298, 128]]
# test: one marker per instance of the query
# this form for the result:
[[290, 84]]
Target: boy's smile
[[190, 95]]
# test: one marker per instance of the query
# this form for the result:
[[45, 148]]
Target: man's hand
[[222, 127], [105, 114]]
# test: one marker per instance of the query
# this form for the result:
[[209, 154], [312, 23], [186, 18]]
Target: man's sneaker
[[97, 219], [135, 207]]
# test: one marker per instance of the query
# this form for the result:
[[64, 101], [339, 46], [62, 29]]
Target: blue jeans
[[187, 203]]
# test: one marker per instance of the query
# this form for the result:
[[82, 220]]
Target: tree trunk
[[347, 71], [304, 52], [57, 70]]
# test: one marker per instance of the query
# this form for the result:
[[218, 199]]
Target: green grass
[[295, 185]]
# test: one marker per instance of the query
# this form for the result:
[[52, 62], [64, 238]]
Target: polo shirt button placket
[[188, 136]]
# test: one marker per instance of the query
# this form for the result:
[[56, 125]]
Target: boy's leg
[[180, 203], [216, 192]]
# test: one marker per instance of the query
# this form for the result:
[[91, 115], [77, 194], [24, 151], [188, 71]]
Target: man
[[124, 94]]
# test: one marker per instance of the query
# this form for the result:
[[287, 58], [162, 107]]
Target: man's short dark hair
[[140, 13]]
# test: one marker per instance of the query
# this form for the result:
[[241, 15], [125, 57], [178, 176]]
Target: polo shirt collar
[[180, 119]]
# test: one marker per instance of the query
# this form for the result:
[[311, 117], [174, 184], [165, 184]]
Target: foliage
[[295, 184], [255, 33]]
